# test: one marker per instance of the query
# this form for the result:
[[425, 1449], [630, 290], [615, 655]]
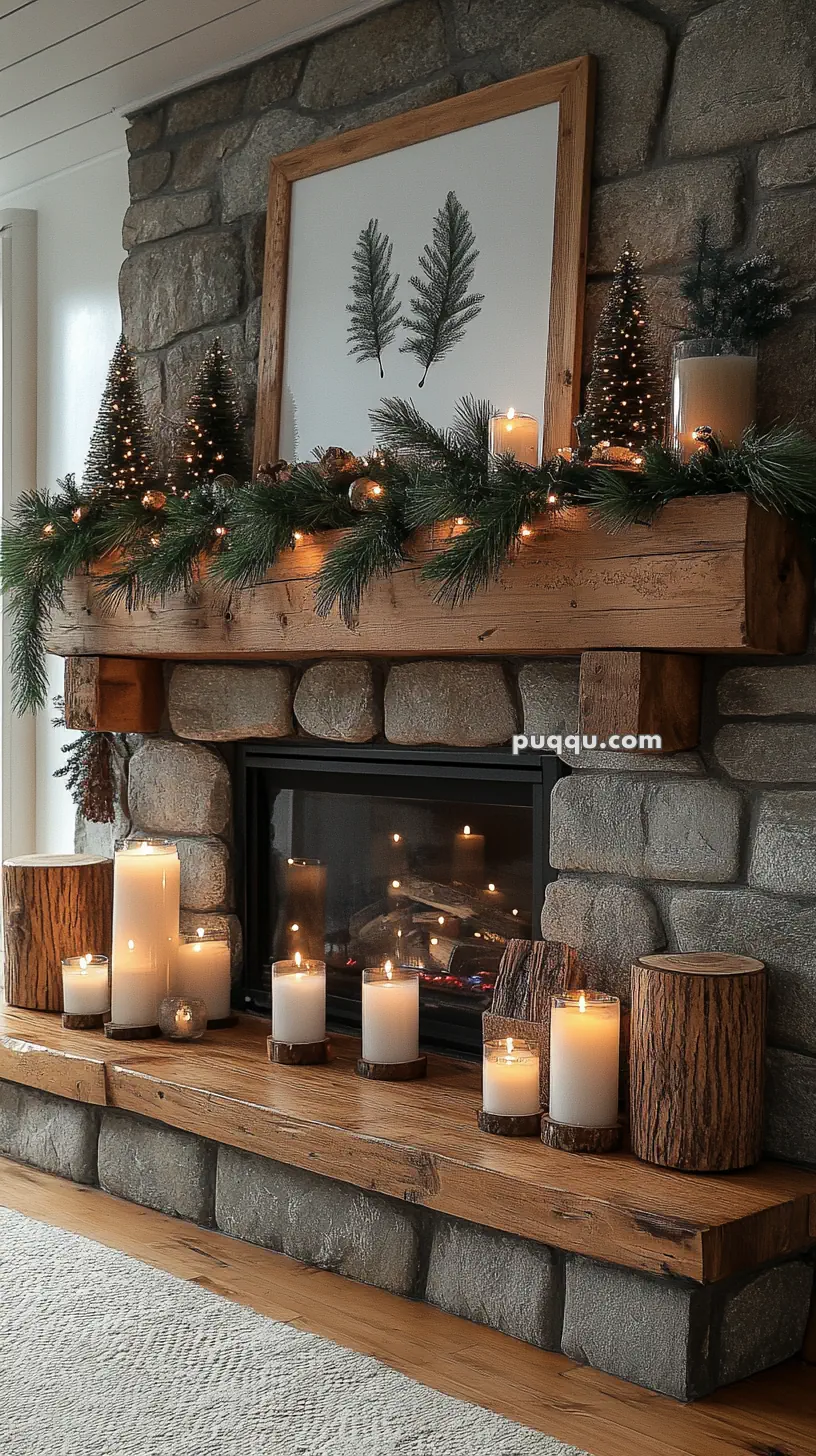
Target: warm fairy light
[[434, 940], [515, 912], [395, 884], [396, 838], [460, 520], [477, 935], [466, 829], [294, 925], [48, 529], [220, 530], [298, 536], [582, 1002], [526, 531], [440, 919], [552, 499], [491, 886]]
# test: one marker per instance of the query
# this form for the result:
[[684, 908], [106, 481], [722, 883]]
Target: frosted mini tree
[[120, 461], [625, 406]]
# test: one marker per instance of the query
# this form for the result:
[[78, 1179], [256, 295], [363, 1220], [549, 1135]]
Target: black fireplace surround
[[427, 857]]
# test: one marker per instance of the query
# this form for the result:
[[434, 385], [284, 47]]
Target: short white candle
[[203, 972], [86, 985], [298, 1000], [136, 988], [145, 928], [514, 434], [584, 1059], [510, 1078], [468, 857], [390, 1014]]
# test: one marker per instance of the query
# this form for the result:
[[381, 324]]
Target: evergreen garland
[[624, 400], [120, 460]]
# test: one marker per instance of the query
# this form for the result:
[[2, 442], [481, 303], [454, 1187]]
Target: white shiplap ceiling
[[70, 68]]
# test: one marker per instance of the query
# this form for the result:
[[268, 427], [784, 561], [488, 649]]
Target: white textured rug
[[101, 1355]]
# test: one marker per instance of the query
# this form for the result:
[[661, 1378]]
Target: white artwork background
[[503, 172]]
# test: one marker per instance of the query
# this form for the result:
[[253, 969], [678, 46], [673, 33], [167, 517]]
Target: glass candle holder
[[511, 1070], [86, 985], [182, 1018], [204, 969], [298, 1001], [146, 879], [711, 385], [584, 1059], [390, 1014], [514, 434]]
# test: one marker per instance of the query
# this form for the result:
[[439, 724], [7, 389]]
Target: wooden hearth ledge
[[419, 1142], [712, 574]]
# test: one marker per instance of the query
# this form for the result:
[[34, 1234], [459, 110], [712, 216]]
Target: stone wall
[[669, 1334]]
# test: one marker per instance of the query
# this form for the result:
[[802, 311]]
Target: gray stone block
[[199, 159], [549, 697], [219, 101], [144, 131], [52, 1133], [661, 828], [763, 1322], [632, 56], [245, 175], [768, 752], [785, 228], [218, 703], [652, 1331], [767, 692], [457, 703], [790, 1106], [779, 932], [227, 927], [321, 1221], [148, 173], [160, 217], [179, 788], [511, 1284], [379, 54], [608, 923], [476, 21], [689, 765], [157, 1166], [789, 161], [180, 285], [273, 80], [206, 881], [785, 385], [743, 72], [666, 204], [783, 851], [339, 701], [439, 89]]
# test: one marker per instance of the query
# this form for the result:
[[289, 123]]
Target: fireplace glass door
[[424, 859]]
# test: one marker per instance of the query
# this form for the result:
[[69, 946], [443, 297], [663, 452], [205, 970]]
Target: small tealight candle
[[203, 970], [298, 1001], [85, 985], [584, 1059], [510, 1078], [390, 1014], [514, 434], [182, 1018]]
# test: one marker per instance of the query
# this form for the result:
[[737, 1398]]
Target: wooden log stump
[[570, 1139], [697, 1061], [54, 906], [393, 1071], [298, 1054], [503, 1126]]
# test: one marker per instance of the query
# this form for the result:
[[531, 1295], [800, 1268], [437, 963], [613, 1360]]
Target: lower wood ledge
[[419, 1142]]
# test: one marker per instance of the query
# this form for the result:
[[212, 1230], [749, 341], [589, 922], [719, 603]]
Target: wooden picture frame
[[572, 86]]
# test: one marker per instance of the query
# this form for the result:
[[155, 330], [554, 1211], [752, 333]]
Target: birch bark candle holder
[[85, 992], [511, 1092], [390, 1051], [298, 1013], [584, 1073]]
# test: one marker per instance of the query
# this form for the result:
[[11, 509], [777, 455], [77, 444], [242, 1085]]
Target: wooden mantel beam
[[642, 692], [114, 694]]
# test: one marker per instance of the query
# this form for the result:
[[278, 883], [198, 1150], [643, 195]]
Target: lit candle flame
[[295, 925], [389, 970], [131, 945], [298, 959], [582, 1002], [491, 886], [82, 962], [511, 413], [395, 884], [200, 932], [509, 1046], [396, 838]]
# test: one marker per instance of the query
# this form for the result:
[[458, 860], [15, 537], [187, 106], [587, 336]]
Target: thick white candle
[[298, 1000], [510, 1078], [145, 928], [468, 857], [203, 972], [86, 985], [513, 434], [584, 1059], [390, 1014], [717, 390]]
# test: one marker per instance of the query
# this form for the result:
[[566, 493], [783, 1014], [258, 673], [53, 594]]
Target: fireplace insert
[[431, 858]]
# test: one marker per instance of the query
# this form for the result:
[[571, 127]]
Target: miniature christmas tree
[[213, 438], [625, 406], [120, 461]]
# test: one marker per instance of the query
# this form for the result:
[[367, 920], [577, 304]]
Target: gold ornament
[[365, 493], [154, 500]]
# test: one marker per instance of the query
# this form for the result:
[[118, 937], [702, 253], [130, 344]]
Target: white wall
[[80, 214]]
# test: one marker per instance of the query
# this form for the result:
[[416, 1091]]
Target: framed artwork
[[432, 255]]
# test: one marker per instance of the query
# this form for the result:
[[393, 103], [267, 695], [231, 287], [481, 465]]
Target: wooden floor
[[771, 1415], [419, 1141]]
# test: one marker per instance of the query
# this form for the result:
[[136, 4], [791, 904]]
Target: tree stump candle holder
[[54, 907], [297, 1053], [393, 1071], [697, 1061]]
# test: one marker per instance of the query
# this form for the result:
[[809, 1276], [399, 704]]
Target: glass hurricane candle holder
[[514, 434], [390, 1049], [85, 991], [146, 880], [584, 1071], [712, 386], [183, 1018], [298, 1012], [204, 970]]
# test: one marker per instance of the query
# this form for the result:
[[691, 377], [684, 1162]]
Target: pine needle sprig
[[449, 478], [479, 555], [375, 311], [374, 548], [262, 521], [169, 561], [443, 306]]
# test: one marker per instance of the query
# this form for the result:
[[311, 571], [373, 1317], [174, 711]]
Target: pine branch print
[[375, 312], [443, 307]]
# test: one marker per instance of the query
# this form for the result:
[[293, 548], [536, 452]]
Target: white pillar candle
[[203, 972], [510, 1078], [514, 434], [390, 1014], [298, 1000], [718, 390], [86, 985], [145, 928], [468, 857], [584, 1059]]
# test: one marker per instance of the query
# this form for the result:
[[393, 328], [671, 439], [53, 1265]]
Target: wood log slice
[[501, 1126], [570, 1139], [54, 906], [393, 1071], [697, 1061], [297, 1053], [74, 1021]]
